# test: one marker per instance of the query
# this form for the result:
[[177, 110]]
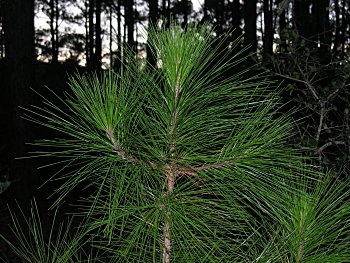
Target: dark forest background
[[303, 43]]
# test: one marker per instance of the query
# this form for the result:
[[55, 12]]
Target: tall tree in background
[[281, 12], [236, 18], [153, 16], [220, 16], [98, 40], [205, 10], [2, 36], [250, 35], [19, 36], [54, 10], [268, 30], [119, 33], [344, 25], [54, 15], [94, 44], [90, 55], [165, 12], [184, 8], [336, 42], [301, 15], [214, 12], [111, 11], [130, 22], [321, 33]]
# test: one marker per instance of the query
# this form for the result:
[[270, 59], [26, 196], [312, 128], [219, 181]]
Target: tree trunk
[[302, 17], [119, 51], [250, 37], [19, 37], [153, 16], [110, 33], [205, 10], [219, 13], [87, 37], [282, 26], [326, 34], [98, 40], [168, 14], [321, 34], [236, 19], [124, 34], [56, 51], [343, 28], [337, 27], [185, 10], [91, 57], [130, 23], [268, 31], [53, 29]]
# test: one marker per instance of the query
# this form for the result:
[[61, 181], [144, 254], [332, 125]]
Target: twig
[[320, 124], [311, 88], [118, 149], [324, 146]]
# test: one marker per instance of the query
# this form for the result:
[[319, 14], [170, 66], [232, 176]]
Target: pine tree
[[188, 165]]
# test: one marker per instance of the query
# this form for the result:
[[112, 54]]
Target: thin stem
[[301, 240], [167, 232], [300, 250], [324, 146], [171, 171], [320, 124], [118, 148]]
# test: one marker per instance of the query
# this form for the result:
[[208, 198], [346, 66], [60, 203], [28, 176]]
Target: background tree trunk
[[130, 21], [343, 28], [54, 30], [205, 10], [321, 34], [90, 56], [185, 4], [98, 40], [19, 36], [282, 26], [250, 37], [302, 17], [268, 30], [337, 26], [153, 16], [110, 20], [87, 36], [236, 18], [119, 27]]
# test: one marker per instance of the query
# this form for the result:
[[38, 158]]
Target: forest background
[[302, 43]]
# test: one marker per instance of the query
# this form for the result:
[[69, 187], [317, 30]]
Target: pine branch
[[118, 149]]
